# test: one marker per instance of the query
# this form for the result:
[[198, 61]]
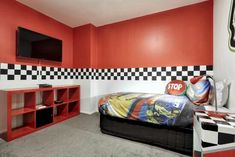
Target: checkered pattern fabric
[[215, 131], [28, 72]]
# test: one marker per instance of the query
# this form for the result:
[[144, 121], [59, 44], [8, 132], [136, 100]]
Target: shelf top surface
[[20, 111], [37, 89]]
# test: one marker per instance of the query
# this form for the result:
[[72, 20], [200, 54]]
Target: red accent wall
[[14, 14], [85, 46], [183, 36]]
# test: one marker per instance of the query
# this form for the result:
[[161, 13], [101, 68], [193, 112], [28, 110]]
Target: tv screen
[[31, 44]]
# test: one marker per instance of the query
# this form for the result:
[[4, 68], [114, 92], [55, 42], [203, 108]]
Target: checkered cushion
[[216, 131]]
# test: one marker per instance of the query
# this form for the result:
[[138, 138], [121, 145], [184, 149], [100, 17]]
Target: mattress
[[161, 109]]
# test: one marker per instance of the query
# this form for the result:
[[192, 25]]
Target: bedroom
[[106, 48]]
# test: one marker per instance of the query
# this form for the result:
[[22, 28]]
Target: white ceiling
[[101, 12]]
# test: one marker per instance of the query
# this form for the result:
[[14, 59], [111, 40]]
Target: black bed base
[[176, 139]]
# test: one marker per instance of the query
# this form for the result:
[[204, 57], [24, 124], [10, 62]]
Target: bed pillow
[[199, 91], [176, 87], [222, 92]]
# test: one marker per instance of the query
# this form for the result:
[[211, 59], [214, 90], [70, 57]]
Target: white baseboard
[[88, 112]]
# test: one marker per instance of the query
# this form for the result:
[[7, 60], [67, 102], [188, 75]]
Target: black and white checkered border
[[153, 73], [18, 72], [216, 131], [58, 73], [29, 72]]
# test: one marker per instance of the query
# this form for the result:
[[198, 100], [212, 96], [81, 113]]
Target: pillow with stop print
[[176, 87]]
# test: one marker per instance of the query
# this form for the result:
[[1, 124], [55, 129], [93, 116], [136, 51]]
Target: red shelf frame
[[74, 94], [60, 110], [60, 104], [48, 97], [62, 94], [28, 125], [69, 95], [60, 118], [20, 111], [18, 132], [74, 108]]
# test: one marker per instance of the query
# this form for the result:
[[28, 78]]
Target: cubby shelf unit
[[23, 117]]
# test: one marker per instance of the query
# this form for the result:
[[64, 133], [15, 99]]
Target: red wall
[[94, 41], [85, 46], [82, 46], [182, 36], [14, 14]]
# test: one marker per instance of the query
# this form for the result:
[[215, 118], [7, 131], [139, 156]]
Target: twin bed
[[164, 120], [159, 119]]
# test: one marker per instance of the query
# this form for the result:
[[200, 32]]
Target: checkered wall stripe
[[58, 73], [28, 72], [18, 72], [153, 73]]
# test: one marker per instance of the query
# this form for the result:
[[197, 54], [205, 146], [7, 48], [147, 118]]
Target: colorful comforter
[[160, 109]]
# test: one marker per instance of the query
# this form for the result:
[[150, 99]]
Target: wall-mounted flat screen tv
[[31, 44]]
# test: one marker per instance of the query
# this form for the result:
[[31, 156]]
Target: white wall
[[86, 105], [103, 87], [224, 59], [93, 90]]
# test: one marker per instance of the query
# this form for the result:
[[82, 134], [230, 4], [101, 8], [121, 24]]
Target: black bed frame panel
[[177, 139]]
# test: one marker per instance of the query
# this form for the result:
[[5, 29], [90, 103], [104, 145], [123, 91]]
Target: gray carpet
[[78, 137]]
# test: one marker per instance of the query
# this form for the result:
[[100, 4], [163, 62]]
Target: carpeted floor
[[78, 137]]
